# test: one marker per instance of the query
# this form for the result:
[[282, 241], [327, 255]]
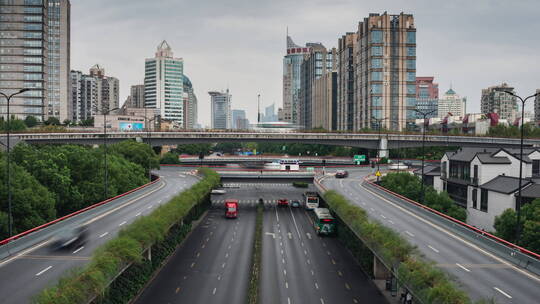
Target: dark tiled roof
[[531, 191], [429, 170], [486, 158], [467, 154], [504, 184]]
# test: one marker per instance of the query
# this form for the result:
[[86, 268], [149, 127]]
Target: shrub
[[300, 184]]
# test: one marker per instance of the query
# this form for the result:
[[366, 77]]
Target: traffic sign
[[378, 174], [359, 158]]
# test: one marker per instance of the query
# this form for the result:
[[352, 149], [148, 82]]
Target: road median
[[255, 273]]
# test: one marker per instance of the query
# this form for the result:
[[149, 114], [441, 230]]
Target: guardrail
[[38, 234], [508, 251]]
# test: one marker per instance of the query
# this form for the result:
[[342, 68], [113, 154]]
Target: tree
[[505, 225], [170, 159], [67, 122], [30, 121], [15, 124], [136, 152], [52, 121]]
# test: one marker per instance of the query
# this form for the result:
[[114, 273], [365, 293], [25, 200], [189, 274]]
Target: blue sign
[[128, 126]]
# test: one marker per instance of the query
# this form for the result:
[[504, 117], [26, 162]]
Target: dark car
[[295, 203], [342, 174], [69, 238]]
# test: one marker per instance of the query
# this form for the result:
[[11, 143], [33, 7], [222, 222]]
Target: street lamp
[[379, 122], [518, 201], [424, 114], [147, 125], [8, 99], [398, 147], [105, 112]]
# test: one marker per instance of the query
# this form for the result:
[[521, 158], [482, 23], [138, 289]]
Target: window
[[376, 37], [411, 64], [536, 168], [376, 63], [376, 51], [484, 200], [474, 198], [475, 174], [376, 88], [377, 114], [443, 169], [376, 101], [376, 76], [411, 89], [411, 76], [411, 37], [411, 51]]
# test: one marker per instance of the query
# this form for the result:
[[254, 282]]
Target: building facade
[[237, 116], [537, 108], [346, 107], [190, 105], [317, 63], [136, 96], [270, 114], [292, 62], [451, 102], [59, 103], [24, 56], [163, 84], [108, 89], [221, 116], [84, 96], [496, 100], [427, 97]]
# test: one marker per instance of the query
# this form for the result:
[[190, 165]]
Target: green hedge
[[426, 281], [82, 284], [300, 184]]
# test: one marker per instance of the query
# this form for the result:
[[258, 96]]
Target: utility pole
[[424, 114], [8, 146], [519, 198], [105, 112]]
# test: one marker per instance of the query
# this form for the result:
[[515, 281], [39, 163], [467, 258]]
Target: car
[[295, 203], [283, 202], [342, 174], [398, 166], [71, 237], [218, 191]]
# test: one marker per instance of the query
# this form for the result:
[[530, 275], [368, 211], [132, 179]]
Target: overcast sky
[[240, 43]]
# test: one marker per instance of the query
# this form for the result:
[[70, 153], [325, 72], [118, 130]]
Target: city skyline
[[459, 47]]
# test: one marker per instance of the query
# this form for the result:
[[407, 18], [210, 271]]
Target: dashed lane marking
[[407, 232], [103, 234], [122, 223], [462, 267], [503, 293], [432, 248], [43, 271], [80, 248]]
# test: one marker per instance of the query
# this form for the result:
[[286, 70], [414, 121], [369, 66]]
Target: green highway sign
[[359, 158]]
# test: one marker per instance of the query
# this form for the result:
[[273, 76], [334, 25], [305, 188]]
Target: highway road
[[213, 265], [479, 273], [26, 274]]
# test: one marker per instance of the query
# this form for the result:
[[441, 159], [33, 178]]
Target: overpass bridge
[[361, 140]]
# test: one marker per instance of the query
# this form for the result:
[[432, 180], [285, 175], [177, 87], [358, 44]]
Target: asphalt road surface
[[480, 274], [25, 275]]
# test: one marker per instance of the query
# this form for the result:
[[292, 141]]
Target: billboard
[[131, 126]]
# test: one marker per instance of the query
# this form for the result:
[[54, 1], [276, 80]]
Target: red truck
[[231, 208]]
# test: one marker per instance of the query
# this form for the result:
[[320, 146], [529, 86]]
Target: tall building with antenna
[[292, 63]]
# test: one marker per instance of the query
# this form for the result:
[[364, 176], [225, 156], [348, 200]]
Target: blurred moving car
[[398, 166], [295, 203], [218, 191], [283, 202], [231, 208], [342, 174], [71, 237]]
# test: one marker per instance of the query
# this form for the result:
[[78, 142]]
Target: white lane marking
[[81, 248], [462, 267], [284, 272], [290, 235], [296, 226], [219, 277], [123, 205], [382, 215], [289, 300], [308, 236], [287, 285], [223, 265], [391, 222], [227, 255], [150, 207], [432, 248], [214, 292], [283, 261], [41, 272], [312, 272], [25, 252], [103, 234], [504, 293], [277, 216], [122, 223], [445, 231], [308, 261], [316, 285], [407, 232], [322, 301], [137, 214], [373, 210]]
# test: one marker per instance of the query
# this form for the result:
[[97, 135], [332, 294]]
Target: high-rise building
[[237, 117], [221, 110], [385, 72], [163, 84], [84, 96], [190, 105], [537, 107], [24, 56], [291, 80], [324, 113], [58, 66], [136, 96], [496, 100], [317, 62], [452, 103], [270, 114], [427, 97], [347, 110], [108, 89]]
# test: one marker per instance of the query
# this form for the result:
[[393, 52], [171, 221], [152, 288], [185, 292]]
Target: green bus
[[323, 221]]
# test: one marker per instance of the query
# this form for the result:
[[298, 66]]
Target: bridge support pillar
[[383, 148], [165, 150], [380, 272]]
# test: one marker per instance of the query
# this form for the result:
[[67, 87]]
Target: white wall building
[[451, 102], [163, 84], [485, 181], [221, 110]]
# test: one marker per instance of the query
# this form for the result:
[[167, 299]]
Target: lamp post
[[424, 115], [398, 147], [105, 112], [8, 146], [148, 133], [518, 201], [379, 122]]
